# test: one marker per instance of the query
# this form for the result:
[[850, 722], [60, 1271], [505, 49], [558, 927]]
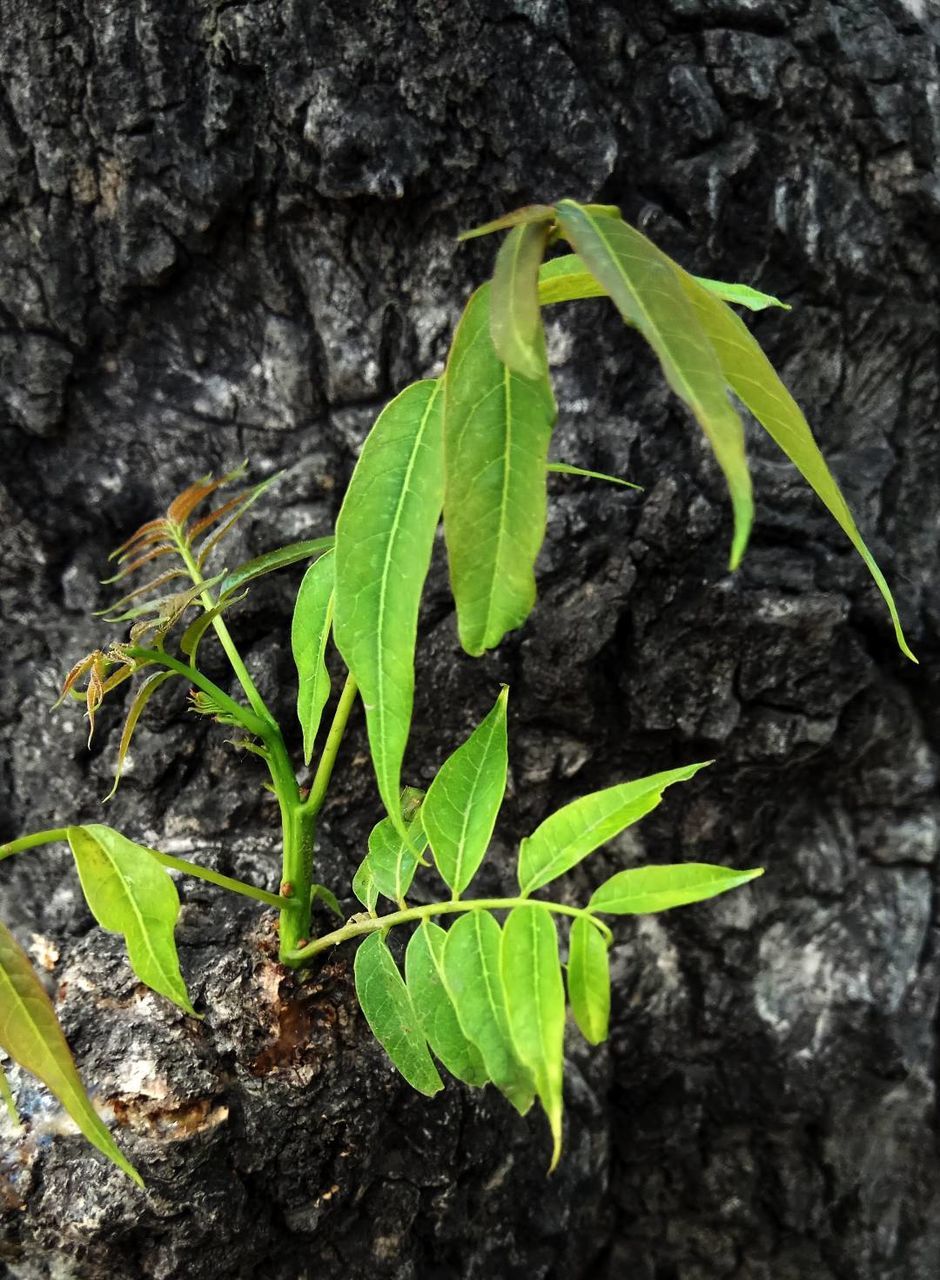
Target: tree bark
[[228, 231]]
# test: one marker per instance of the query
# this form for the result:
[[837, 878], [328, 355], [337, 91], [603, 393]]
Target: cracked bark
[[228, 231]]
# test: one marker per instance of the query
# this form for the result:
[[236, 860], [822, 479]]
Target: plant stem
[[31, 842], [356, 928], [217, 878], [255, 725], [321, 780]]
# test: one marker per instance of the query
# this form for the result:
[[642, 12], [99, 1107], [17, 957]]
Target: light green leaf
[[143, 695], [535, 1006], [644, 284], [384, 537], [567, 279], [642, 890], [582, 826], [474, 983], [497, 426], [31, 1035], [515, 315], [589, 980], [394, 858], [309, 634], [462, 803], [328, 898], [129, 892], [424, 975], [392, 1016], [280, 558], [754, 381], [518, 218], [364, 886], [566, 469]]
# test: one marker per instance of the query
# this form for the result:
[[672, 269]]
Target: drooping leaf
[[565, 469], [518, 218], [424, 960], [642, 890], [644, 285], [567, 279], [364, 886], [129, 892], [280, 558], [31, 1035], [384, 537], [497, 427], [194, 634], [309, 635], [393, 857], [143, 695], [535, 1006], [754, 381], [577, 829], [460, 809], [515, 315], [328, 898], [474, 983], [391, 1014], [589, 980]]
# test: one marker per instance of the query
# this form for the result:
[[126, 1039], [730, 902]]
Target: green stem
[[356, 928], [258, 726], [31, 842], [217, 878], [321, 780]]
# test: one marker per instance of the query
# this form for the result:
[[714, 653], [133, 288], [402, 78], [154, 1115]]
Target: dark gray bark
[[227, 231]]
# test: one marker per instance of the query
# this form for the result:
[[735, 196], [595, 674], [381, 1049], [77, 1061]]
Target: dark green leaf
[[589, 980], [643, 890], [424, 975], [391, 1014], [310, 632]]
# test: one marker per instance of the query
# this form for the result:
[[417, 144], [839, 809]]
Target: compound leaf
[[589, 980], [31, 1035], [391, 1014], [129, 892], [645, 287], [497, 427], [309, 634], [535, 1006], [424, 976], [577, 829], [474, 983], [642, 890], [460, 809], [384, 537], [515, 315]]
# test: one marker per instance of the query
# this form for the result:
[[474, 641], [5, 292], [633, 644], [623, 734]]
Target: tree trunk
[[228, 231]]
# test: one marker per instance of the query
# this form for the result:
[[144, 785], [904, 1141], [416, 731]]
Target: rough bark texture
[[227, 231]]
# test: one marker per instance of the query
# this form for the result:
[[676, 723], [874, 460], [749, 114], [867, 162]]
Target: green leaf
[[391, 1014], [535, 1005], [394, 858], [642, 890], [645, 286], [497, 427], [515, 315], [565, 469], [530, 213], [31, 1035], [384, 537], [474, 983], [328, 898], [309, 634], [280, 558], [567, 279], [9, 1101], [754, 381], [589, 980], [192, 637], [424, 975], [129, 892], [582, 826], [462, 803], [143, 695], [364, 886]]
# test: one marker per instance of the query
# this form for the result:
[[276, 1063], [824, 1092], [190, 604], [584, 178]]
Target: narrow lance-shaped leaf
[[390, 1013], [515, 315], [143, 695], [31, 1035], [280, 558], [497, 427], [645, 287], [424, 960], [754, 381], [577, 829], [309, 635], [518, 218], [393, 857], [567, 279], [566, 469], [535, 1005], [463, 801], [129, 892], [589, 980], [474, 983], [642, 890], [384, 537]]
